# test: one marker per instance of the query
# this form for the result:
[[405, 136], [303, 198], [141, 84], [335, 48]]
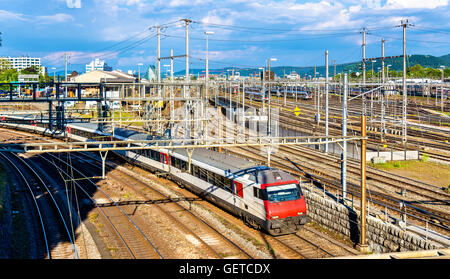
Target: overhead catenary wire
[[265, 41], [123, 45], [302, 30]]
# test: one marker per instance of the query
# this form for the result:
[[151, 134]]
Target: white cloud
[[214, 55], [58, 18], [76, 57], [135, 60], [414, 4], [73, 4], [6, 16]]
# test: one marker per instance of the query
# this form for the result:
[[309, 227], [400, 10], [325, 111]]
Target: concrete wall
[[382, 237], [394, 156]]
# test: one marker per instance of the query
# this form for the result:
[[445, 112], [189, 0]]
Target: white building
[[293, 76], [98, 76], [97, 64], [23, 62]]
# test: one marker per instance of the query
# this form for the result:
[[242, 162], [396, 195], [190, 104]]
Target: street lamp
[[262, 69], [442, 89], [388, 70], [228, 70], [168, 70], [269, 118], [271, 59]]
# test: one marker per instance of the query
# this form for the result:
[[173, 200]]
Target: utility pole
[[207, 65], [334, 75], [404, 24], [383, 121], [270, 97], [344, 144], [442, 89], [65, 66], [187, 21], [317, 97], [171, 65], [362, 246], [158, 54], [326, 99], [172, 109], [186, 88], [364, 30], [65, 79]]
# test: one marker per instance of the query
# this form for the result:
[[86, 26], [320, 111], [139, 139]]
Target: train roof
[[122, 132], [218, 160], [213, 158], [233, 166]]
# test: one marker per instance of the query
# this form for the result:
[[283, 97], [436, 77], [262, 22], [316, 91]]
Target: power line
[[413, 40], [434, 30], [256, 29], [264, 41]]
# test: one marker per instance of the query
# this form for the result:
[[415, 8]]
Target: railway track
[[281, 242], [130, 240], [218, 245], [56, 236], [287, 244], [192, 225], [423, 137], [329, 176], [376, 177], [436, 218]]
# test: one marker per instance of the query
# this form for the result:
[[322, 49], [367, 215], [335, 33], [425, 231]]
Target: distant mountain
[[445, 58], [426, 61]]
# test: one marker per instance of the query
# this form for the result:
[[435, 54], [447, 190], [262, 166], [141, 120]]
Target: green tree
[[9, 75]]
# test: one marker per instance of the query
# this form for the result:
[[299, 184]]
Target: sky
[[246, 32]]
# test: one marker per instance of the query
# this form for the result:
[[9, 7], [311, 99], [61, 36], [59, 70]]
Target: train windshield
[[282, 193]]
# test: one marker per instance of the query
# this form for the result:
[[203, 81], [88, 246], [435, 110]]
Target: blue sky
[[246, 32]]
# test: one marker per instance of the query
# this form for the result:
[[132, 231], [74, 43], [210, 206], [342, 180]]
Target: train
[[255, 94], [301, 93], [264, 198]]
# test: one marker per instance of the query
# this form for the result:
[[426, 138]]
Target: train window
[[202, 174], [283, 193], [216, 178], [177, 163], [196, 171], [258, 193], [211, 177], [152, 154], [227, 184]]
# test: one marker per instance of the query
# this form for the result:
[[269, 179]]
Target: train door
[[238, 191], [164, 158], [237, 187]]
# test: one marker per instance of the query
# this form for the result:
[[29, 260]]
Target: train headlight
[[300, 213], [274, 217]]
